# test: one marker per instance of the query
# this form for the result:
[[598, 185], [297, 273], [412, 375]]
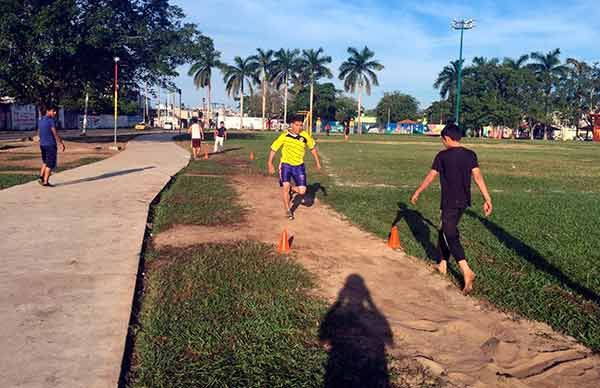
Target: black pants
[[449, 236]]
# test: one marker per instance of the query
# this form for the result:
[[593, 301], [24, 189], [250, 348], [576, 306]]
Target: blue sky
[[411, 38]]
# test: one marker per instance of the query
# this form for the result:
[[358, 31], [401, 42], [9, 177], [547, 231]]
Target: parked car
[[141, 126], [168, 126]]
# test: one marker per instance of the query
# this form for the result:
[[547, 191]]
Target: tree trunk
[[311, 108], [264, 101], [242, 107], [358, 120], [285, 97], [209, 106]]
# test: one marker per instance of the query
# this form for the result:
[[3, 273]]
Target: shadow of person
[[357, 334], [534, 257], [308, 199], [420, 228], [105, 176]]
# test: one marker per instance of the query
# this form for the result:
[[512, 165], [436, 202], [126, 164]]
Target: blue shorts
[[287, 172], [49, 156]]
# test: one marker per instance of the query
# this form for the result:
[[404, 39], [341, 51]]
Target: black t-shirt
[[454, 166], [221, 132]]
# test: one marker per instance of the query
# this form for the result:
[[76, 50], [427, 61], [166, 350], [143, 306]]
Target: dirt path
[[459, 338]]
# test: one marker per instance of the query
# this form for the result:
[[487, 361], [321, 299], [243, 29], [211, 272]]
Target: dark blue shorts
[[287, 172], [49, 155]]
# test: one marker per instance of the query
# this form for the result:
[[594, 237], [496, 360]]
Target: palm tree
[[235, 76], [516, 64], [359, 71], [285, 65], [447, 81], [548, 68], [263, 62], [313, 68], [201, 70]]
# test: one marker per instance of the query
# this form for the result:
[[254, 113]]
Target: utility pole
[[461, 25], [116, 60]]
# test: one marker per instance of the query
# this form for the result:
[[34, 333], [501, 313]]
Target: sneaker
[[47, 184], [290, 214], [40, 181]]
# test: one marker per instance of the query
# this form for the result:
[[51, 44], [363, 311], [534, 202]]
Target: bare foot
[[442, 267], [469, 277]]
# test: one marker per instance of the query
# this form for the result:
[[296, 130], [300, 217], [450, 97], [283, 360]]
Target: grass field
[[236, 314], [539, 253]]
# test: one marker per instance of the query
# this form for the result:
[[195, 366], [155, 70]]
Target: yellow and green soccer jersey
[[294, 147]]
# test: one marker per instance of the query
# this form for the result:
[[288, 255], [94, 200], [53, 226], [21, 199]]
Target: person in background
[[220, 137], [49, 139]]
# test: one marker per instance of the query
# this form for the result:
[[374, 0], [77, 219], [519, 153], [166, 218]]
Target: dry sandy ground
[[26, 154], [463, 340]]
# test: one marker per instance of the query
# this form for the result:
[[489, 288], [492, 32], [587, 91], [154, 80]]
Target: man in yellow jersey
[[293, 145]]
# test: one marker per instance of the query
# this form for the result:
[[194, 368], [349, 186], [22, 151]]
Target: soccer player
[[197, 131], [293, 145], [455, 165]]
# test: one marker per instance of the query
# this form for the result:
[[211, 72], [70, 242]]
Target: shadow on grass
[[419, 227], [357, 333], [105, 176], [534, 257], [308, 199]]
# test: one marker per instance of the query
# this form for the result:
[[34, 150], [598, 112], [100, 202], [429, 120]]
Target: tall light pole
[[179, 90], [461, 25], [116, 60]]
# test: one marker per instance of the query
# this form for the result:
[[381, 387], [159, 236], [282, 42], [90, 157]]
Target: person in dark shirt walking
[[220, 137], [49, 139], [455, 165]]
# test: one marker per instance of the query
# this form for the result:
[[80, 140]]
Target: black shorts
[[49, 155], [196, 143]]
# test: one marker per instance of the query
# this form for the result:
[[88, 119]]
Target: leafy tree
[[447, 82], [207, 59], [263, 62], [51, 51], [439, 112], [516, 64], [313, 67], [358, 72], [345, 108], [324, 96], [236, 76], [548, 69], [285, 66], [401, 106]]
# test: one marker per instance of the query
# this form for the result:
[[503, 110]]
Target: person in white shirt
[[197, 131]]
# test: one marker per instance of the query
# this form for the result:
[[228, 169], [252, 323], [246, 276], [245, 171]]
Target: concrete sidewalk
[[68, 262]]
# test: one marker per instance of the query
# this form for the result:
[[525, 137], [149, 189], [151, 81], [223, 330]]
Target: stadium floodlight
[[461, 25]]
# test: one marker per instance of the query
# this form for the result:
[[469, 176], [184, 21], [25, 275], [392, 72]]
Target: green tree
[[285, 66], [243, 72], [447, 82], [313, 67], [51, 51], [400, 106], [207, 59], [439, 112], [548, 69], [358, 72], [516, 64], [345, 108], [324, 97], [263, 62]]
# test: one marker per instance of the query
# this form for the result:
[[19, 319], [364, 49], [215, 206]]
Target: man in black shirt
[[455, 166]]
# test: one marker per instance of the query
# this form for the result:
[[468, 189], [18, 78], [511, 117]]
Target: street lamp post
[[461, 25], [116, 60]]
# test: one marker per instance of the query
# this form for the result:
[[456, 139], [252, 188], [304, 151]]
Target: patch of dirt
[[26, 155], [459, 340]]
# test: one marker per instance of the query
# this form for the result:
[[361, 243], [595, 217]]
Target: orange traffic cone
[[251, 155], [284, 243], [205, 155], [394, 241]]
